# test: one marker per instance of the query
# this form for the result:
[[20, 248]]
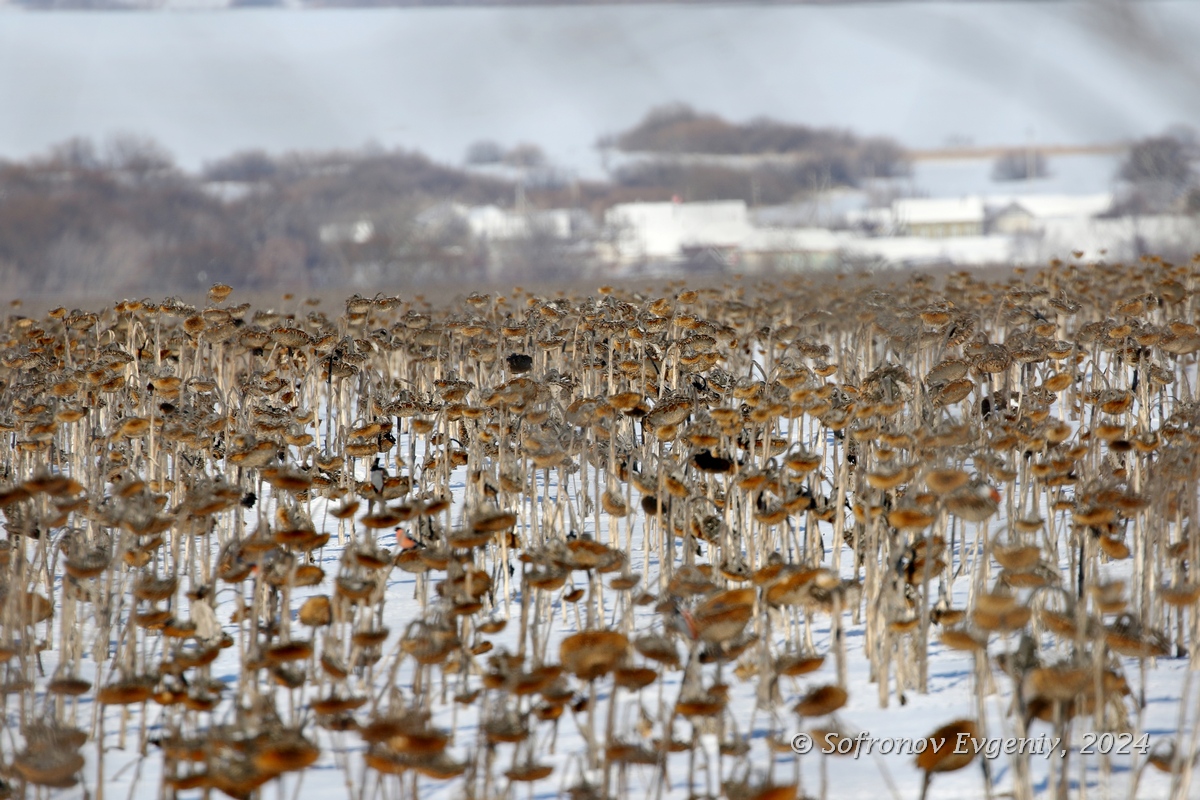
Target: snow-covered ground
[[737, 745], [888, 771]]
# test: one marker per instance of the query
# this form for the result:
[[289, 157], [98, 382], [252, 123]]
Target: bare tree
[[1159, 172], [525, 155], [1020, 165], [139, 156], [249, 166], [485, 152]]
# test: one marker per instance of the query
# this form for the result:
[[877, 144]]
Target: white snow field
[[822, 450]]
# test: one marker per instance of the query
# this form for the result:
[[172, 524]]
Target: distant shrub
[[525, 155], [825, 154], [485, 152], [1020, 165], [1158, 159], [250, 166], [880, 157], [1192, 203], [767, 184], [1159, 174]]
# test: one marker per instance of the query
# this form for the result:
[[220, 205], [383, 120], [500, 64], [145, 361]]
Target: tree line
[[124, 218], [121, 217]]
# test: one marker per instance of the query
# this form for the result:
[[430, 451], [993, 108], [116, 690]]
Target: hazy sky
[[205, 84]]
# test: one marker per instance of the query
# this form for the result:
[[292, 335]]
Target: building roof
[[1055, 206]]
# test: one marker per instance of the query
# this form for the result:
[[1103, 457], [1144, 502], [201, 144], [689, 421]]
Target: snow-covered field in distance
[[1069, 174]]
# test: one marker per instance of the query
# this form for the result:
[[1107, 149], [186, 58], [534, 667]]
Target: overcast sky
[[205, 84]]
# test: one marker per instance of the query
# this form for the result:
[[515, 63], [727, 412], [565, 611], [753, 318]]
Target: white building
[[938, 217], [650, 231], [498, 224], [1032, 213]]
